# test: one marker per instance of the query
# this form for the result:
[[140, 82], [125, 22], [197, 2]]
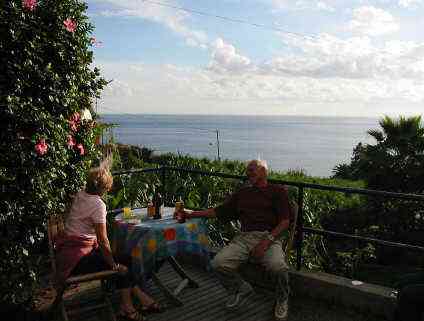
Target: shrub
[[47, 136], [204, 192]]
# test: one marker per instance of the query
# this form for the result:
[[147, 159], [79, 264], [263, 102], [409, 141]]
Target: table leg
[[177, 267], [166, 291]]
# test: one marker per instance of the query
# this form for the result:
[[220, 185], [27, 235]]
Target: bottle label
[[150, 210]]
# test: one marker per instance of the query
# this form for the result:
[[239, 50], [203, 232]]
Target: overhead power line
[[258, 25], [235, 20]]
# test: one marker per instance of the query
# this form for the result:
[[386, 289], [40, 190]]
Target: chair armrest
[[90, 277]]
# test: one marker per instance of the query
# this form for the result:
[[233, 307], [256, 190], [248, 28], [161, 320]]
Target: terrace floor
[[207, 303]]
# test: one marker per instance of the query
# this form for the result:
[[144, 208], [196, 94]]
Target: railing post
[[163, 183], [299, 228]]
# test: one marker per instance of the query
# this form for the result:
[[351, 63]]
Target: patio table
[[151, 242]]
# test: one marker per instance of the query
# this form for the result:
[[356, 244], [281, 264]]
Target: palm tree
[[395, 162], [401, 137]]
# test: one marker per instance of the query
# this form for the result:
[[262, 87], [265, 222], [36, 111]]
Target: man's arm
[[260, 249], [208, 213], [227, 210], [282, 226]]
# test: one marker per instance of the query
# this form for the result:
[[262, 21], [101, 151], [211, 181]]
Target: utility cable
[[258, 25], [235, 20]]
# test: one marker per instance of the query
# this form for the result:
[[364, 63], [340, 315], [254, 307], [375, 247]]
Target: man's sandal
[[154, 307], [131, 316]]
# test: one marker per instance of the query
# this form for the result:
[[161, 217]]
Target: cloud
[[371, 21], [328, 70], [226, 59], [302, 5], [409, 3], [171, 18]]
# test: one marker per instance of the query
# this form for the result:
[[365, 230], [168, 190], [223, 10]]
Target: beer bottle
[[150, 209], [157, 201]]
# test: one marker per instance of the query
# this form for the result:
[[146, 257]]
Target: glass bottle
[[157, 201], [150, 209]]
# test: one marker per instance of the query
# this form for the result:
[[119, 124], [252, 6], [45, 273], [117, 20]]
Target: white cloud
[[226, 59], [173, 19], [302, 5], [409, 3], [371, 21], [332, 71], [355, 58]]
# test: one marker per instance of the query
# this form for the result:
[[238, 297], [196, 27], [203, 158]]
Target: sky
[[354, 58]]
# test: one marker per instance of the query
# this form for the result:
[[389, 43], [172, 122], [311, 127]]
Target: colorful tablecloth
[[150, 242]]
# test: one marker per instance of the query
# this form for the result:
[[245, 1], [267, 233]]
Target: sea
[[314, 145]]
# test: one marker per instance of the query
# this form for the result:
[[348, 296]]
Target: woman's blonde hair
[[100, 180]]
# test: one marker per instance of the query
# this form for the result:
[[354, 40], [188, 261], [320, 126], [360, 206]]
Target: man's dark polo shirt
[[257, 208]]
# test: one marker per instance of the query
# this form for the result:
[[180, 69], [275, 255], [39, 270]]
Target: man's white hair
[[259, 163]]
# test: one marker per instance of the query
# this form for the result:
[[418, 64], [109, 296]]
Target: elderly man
[[263, 211]]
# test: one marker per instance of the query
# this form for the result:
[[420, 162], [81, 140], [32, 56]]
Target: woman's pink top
[[80, 236], [86, 210]]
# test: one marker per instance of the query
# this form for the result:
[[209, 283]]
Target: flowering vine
[[74, 121], [70, 25], [71, 141], [96, 43], [41, 147], [29, 4], [81, 149]]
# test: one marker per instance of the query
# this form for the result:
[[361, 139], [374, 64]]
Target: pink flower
[[73, 125], [81, 149], [29, 4], [70, 25], [94, 42], [41, 147], [71, 141], [76, 117], [74, 121]]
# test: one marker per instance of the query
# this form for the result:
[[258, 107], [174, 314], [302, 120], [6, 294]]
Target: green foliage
[[207, 191], [396, 162], [46, 82]]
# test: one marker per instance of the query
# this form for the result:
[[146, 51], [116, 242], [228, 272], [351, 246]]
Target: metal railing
[[301, 186]]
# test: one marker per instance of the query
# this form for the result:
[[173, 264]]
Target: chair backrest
[[55, 228], [294, 209]]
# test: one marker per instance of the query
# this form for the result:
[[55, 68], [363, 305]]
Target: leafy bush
[[207, 191], [47, 135], [394, 163]]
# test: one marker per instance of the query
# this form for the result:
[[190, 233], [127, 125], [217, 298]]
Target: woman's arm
[[102, 239]]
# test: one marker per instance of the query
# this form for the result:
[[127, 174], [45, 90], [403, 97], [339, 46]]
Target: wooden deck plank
[[207, 303]]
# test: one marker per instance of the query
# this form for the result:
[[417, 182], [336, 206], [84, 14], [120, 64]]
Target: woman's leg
[[145, 299], [94, 262]]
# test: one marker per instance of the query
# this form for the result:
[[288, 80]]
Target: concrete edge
[[365, 297]]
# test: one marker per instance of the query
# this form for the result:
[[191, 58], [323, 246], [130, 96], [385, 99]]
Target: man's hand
[[181, 216], [259, 250]]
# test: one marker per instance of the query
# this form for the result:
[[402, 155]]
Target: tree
[[48, 128], [396, 162]]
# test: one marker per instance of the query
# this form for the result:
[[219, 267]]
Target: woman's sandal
[[131, 316], [154, 307]]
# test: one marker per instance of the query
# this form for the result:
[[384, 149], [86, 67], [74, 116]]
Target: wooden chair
[[55, 227], [294, 210]]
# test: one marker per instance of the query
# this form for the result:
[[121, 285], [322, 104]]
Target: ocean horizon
[[314, 144]]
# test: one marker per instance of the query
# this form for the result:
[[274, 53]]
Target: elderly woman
[[85, 248]]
